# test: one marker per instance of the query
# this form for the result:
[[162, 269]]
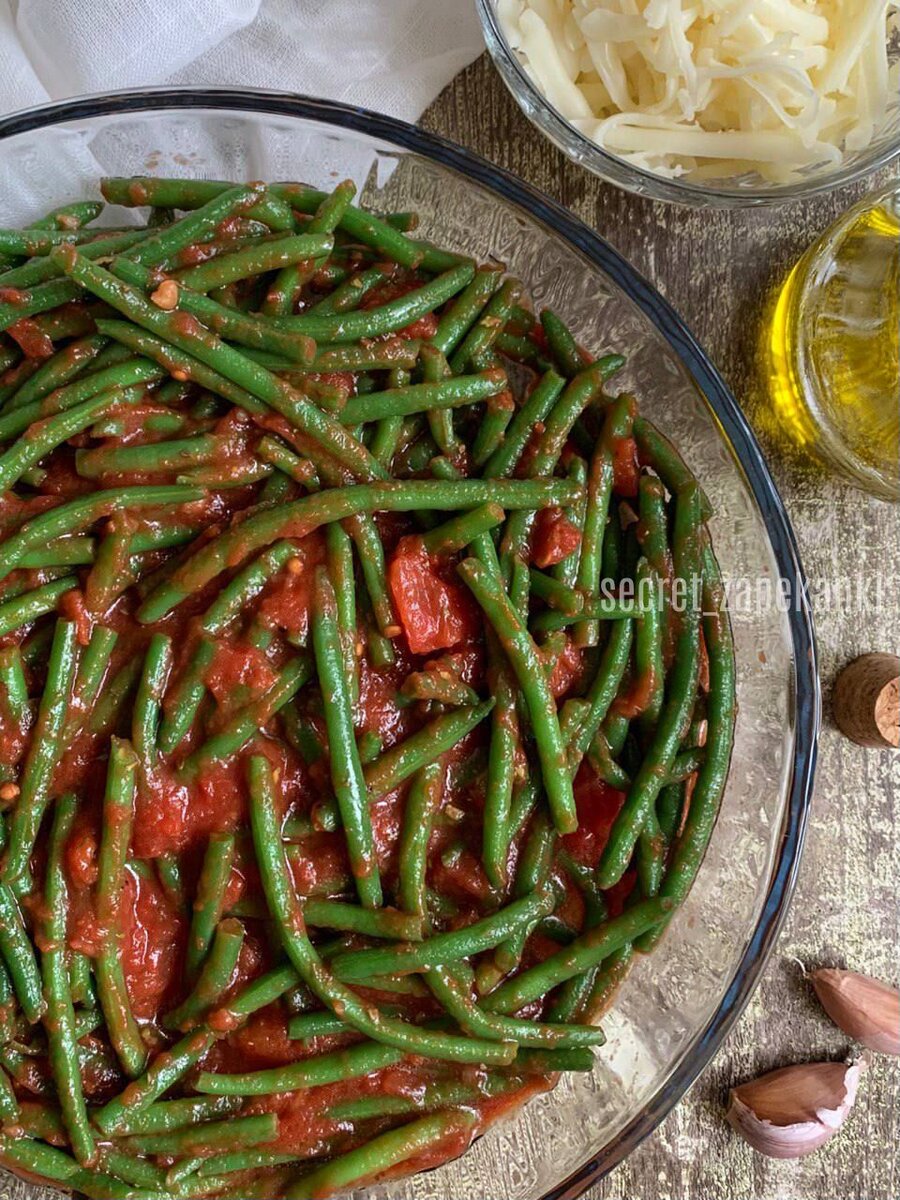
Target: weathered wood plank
[[718, 268]]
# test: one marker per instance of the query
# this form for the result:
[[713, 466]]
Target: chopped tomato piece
[[566, 669], [152, 945], [434, 607], [626, 468], [554, 537], [598, 806], [240, 669]]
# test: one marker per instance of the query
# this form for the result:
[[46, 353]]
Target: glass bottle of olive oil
[[833, 346]]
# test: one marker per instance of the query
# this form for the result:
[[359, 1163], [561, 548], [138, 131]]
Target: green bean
[[64, 552], [111, 379], [562, 344], [168, 868], [209, 900], [609, 976], [607, 608], [59, 370], [244, 1160], [558, 595], [191, 194], [459, 532], [315, 1024], [422, 805], [284, 908], [691, 845], [362, 226], [381, 1153], [601, 759], [169, 1115], [581, 391], [212, 351], [587, 950], [93, 666], [439, 683], [41, 299], [183, 702], [484, 934], [346, 770], [483, 332], [15, 687], [340, 571], [419, 397], [46, 1162], [370, 551], [532, 879], [235, 1132], [135, 1171], [59, 1019], [604, 688], [163, 1071], [432, 1096], [348, 1063], [394, 354], [675, 718], [657, 450], [254, 259], [42, 758], [384, 923], [28, 607], [152, 456], [352, 291], [196, 226], [451, 989], [152, 686], [386, 318], [118, 817], [648, 649], [616, 427], [74, 515], [505, 738], [288, 282], [419, 749], [108, 710], [246, 722], [9, 1105], [303, 516], [214, 977], [525, 661], [18, 954], [459, 317]]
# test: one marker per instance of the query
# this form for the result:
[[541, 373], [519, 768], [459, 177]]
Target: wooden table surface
[[717, 269]]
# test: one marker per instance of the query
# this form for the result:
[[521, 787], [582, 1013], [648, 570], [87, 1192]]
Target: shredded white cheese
[[709, 89]]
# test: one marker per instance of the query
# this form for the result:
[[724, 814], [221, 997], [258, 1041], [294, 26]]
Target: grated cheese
[[709, 89]]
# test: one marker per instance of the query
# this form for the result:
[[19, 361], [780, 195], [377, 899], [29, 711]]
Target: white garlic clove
[[792, 1111], [865, 1009]]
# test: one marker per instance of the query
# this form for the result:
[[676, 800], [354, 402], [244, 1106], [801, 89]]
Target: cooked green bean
[[59, 1019], [118, 818]]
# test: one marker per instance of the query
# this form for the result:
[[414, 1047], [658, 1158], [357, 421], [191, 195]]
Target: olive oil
[[833, 346]]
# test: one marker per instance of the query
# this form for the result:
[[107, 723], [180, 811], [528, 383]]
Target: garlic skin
[[792, 1111], [865, 1009]]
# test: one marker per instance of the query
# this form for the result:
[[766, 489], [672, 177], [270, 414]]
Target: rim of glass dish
[[634, 178], [736, 430]]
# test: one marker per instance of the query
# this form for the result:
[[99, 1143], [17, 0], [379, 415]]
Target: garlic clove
[[792, 1111], [865, 1009]]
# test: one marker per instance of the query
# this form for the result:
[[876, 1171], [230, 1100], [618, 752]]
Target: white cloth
[[390, 55]]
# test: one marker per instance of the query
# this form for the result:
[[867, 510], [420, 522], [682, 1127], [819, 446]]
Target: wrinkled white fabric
[[390, 55]]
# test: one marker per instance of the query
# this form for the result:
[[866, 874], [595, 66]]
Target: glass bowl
[[677, 1005], [747, 191]]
